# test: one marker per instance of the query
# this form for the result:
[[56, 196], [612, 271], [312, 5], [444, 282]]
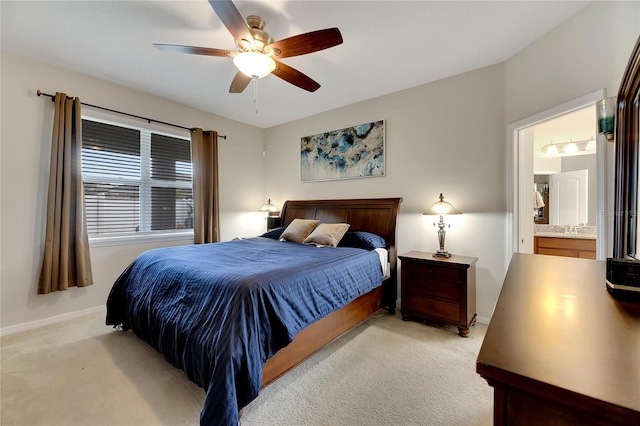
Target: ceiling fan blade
[[307, 43], [178, 48], [231, 18], [239, 83], [295, 77]]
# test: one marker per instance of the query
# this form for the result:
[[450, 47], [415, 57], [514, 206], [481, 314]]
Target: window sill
[[140, 239]]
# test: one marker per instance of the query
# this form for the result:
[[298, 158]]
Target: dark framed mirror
[[626, 229]]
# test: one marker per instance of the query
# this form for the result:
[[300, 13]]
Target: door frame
[[514, 152]]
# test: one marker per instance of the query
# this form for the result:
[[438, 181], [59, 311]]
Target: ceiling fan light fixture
[[254, 64]]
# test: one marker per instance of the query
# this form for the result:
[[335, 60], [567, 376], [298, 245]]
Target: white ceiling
[[388, 46]]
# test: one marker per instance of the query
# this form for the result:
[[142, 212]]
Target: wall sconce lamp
[[556, 149], [606, 111], [441, 208]]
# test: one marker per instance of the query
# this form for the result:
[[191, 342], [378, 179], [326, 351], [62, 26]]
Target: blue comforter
[[219, 311]]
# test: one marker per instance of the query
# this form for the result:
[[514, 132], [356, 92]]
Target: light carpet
[[384, 372]]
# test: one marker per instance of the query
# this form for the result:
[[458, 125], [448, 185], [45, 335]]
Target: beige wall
[[446, 137], [586, 53], [26, 136]]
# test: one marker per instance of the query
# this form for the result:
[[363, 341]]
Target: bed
[[235, 316]]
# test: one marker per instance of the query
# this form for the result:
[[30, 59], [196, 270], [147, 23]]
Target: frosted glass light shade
[[441, 208], [254, 64], [567, 148], [269, 208]]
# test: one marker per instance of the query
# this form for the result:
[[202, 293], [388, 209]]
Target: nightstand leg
[[464, 332]]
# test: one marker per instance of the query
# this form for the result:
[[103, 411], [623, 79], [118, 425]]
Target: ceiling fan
[[258, 54]]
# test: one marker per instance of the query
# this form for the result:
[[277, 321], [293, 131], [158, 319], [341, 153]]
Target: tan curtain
[[66, 260], [204, 153]]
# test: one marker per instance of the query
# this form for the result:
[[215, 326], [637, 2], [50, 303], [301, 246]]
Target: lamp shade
[[268, 207], [254, 64], [442, 207]]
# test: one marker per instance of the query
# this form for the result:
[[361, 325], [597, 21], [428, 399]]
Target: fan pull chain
[[255, 92]]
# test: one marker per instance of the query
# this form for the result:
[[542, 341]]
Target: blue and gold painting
[[349, 153]]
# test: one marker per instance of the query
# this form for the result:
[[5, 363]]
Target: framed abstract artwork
[[353, 152]]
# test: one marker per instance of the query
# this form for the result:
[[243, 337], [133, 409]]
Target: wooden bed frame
[[377, 215]]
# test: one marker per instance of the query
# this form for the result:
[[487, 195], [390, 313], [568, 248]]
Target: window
[[135, 181]]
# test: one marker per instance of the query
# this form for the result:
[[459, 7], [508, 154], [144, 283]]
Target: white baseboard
[[5, 331], [483, 320]]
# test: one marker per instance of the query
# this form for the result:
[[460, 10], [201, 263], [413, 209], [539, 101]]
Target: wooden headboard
[[376, 215]]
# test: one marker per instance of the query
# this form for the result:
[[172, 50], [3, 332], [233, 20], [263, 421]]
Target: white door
[[569, 198]]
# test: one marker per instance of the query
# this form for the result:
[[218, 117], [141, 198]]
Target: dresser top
[[556, 324]]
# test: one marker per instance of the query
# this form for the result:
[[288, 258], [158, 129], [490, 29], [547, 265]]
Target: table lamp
[[273, 215], [441, 208]]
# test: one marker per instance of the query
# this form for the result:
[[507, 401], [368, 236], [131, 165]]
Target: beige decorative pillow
[[299, 229], [327, 234]]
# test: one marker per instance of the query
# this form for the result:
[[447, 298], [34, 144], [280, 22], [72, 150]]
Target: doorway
[[529, 145]]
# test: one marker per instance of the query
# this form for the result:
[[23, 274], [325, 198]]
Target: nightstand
[[273, 222], [439, 289]]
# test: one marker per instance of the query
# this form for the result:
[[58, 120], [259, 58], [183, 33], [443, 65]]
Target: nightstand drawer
[[433, 287], [425, 270], [435, 308]]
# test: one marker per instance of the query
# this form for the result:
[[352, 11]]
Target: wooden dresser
[[439, 289], [560, 350]]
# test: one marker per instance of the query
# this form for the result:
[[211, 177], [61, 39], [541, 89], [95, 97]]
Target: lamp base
[[443, 254]]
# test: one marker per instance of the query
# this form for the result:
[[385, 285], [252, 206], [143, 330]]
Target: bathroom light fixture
[[566, 148], [441, 208]]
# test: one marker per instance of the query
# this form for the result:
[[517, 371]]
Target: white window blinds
[[135, 181]]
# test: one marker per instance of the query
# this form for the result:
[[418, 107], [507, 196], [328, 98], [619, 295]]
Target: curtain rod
[[41, 93]]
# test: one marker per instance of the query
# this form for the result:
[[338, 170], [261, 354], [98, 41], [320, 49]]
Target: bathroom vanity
[[578, 241]]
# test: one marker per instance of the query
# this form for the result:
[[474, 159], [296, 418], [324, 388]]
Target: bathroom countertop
[[583, 232], [580, 236]]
